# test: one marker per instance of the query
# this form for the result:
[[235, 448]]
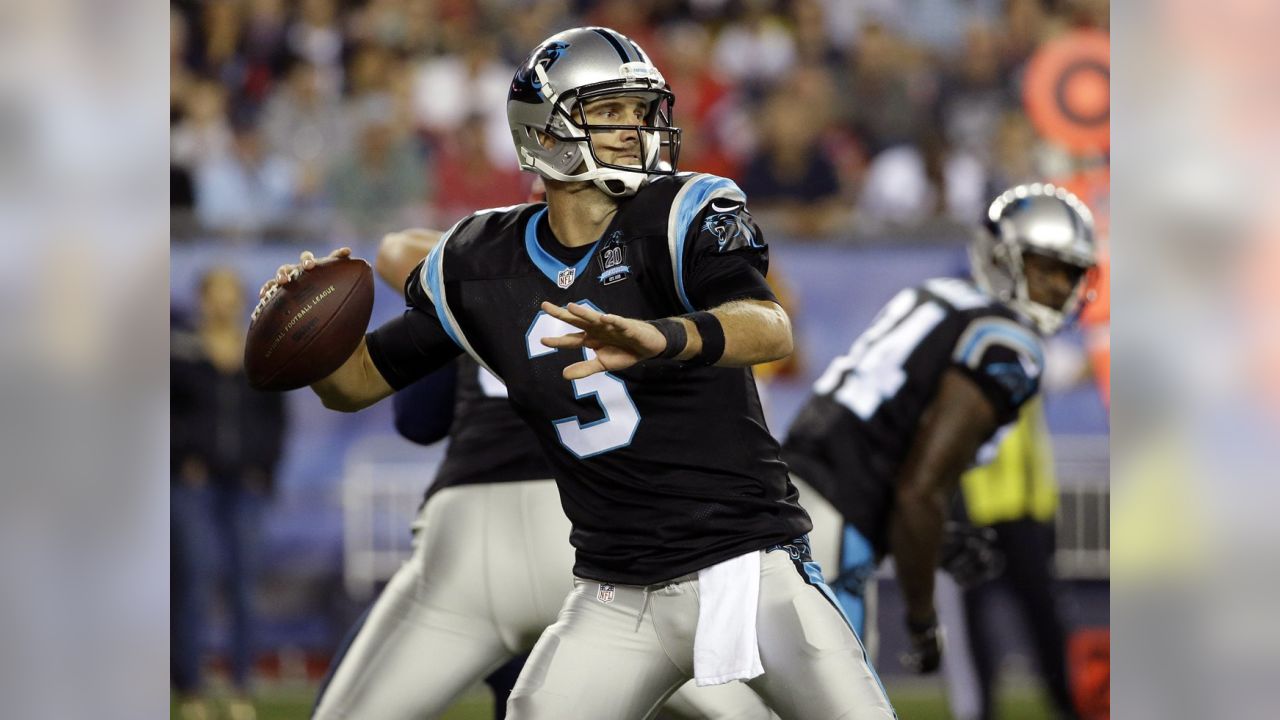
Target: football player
[[925, 392], [623, 316], [496, 502]]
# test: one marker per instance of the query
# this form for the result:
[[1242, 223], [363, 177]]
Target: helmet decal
[[527, 85]]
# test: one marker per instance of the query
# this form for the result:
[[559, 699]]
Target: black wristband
[[712, 338], [677, 337]]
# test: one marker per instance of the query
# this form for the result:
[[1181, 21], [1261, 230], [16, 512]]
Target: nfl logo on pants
[[605, 593]]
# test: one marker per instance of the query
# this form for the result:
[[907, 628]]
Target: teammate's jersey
[[481, 414], [853, 434], [663, 469]]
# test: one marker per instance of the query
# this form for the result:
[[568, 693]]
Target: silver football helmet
[[1037, 218], [568, 70]]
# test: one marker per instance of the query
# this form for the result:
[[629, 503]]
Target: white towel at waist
[[725, 647]]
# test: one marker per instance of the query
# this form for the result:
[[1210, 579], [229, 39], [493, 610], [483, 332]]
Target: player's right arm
[[424, 409], [387, 359], [355, 385]]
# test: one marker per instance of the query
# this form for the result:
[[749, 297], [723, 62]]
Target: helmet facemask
[[998, 253], [571, 153]]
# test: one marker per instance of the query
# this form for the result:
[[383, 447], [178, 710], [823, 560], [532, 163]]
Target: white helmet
[[568, 70], [1038, 218]]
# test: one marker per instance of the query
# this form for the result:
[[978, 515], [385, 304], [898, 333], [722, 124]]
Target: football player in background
[[925, 392], [623, 316]]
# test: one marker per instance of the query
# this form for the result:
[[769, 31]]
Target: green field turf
[[912, 703]]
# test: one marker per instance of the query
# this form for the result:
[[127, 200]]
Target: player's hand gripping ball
[[309, 320]]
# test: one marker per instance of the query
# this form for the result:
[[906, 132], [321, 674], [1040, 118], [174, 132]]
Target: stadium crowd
[[843, 119]]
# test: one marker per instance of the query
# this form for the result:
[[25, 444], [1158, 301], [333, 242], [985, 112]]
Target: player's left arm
[[737, 321], [951, 429], [996, 366]]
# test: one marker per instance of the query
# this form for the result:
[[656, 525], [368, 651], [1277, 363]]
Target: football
[[304, 330]]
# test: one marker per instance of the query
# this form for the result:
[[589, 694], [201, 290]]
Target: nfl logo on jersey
[[565, 277], [605, 593]]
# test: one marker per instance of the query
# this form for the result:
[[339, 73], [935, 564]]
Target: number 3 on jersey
[[620, 420]]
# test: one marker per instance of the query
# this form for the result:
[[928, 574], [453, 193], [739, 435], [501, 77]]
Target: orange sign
[[1067, 91]]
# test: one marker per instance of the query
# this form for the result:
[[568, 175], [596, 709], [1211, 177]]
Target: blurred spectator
[[317, 37], [384, 23], [245, 190], [885, 99], [449, 89], [226, 440], [1014, 153], [222, 27], [973, 95], [812, 36], [380, 184], [181, 79], [301, 122], [467, 180], [915, 183], [791, 174], [1026, 23], [1017, 497], [756, 50], [263, 47], [844, 19], [712, 132], [200, 131]]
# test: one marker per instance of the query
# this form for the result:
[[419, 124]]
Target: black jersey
[[853, 434], [482, 415], [663, 469]]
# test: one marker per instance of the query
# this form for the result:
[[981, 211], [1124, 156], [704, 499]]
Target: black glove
[[969, 554], [925, 655]]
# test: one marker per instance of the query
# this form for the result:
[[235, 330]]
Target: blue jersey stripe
[[985, 334], [435, 285], [546, 262], [812, 573], [690, 203]]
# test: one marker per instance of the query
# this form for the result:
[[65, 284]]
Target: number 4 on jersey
[[872, 370], [621, 418]]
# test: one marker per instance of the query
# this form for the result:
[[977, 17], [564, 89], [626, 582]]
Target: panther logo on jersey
[[1019, 379], [731, 226]]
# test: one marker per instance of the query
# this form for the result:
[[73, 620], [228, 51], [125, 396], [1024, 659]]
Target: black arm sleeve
[[414, 344], [726, 257], [410, 347], [424, 410]]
